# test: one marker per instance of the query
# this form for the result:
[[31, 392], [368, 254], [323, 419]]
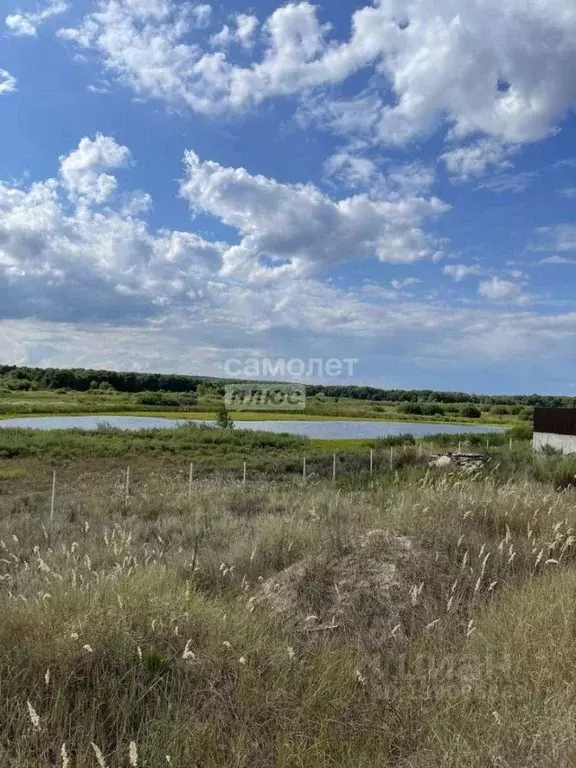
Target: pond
[[314, 429]]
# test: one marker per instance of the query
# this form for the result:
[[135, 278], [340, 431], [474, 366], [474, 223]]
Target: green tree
[[223, 418]]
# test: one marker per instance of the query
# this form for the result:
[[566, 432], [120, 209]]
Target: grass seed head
[[99, 756], [133, 755], [34, 716], [64, 759]]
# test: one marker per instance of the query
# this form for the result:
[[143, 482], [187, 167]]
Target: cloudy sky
[[393, 181]]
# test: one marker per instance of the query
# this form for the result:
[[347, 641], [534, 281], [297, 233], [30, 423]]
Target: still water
[[315, 429]]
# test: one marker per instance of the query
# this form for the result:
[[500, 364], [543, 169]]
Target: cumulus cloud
[[26, 24], [353, 170], [497, 289], [500, 69], [246, 26], [459, 272], [7, 83], [73, 272], [561, 237], [300, 228], [94, 263], [475, 159], [405, 282], [357, 171], [82, 171], [88, 262], [201, 15], [241, 32]]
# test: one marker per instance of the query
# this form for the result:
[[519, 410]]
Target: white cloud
[[561, 237], [311, 317], [353, 170], [503, 69], [459, 272], [569, 192], [201, 15], [299, 227], [497, 289], [87, 263], [510, 182], [84, 284], [517, 274], [246, 26], [223, 38], [104, 264], [359, 172], [557, 260], [26, 24], [243, 33], [404, 282], [412, 178], [82, 171], [475, 159], [8, 83]]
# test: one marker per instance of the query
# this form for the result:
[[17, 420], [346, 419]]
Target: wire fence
[[121, 486]]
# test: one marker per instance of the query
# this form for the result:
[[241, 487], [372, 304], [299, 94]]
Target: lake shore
[[247, 416]]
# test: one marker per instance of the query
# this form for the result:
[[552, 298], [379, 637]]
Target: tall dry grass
[[130, 634]]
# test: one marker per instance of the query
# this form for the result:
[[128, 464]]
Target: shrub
[[432, 409], [526, 414], [471, 412], [166, 399], [414, 409]]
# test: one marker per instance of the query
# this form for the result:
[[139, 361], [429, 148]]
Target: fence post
[[127, 498], [487, 443], [334, 467], [53, 497], [511, 443], [371, 462], [190, 479], [304, 468], [244, 474], [391, 457], [460, 446]]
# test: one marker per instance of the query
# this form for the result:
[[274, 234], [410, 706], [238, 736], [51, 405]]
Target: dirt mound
[[370, 594]]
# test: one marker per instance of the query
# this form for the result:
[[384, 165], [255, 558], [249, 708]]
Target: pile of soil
[[371, 595]]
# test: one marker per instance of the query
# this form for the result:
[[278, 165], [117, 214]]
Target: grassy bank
[[214, 447], [444, 633], [205, 406]]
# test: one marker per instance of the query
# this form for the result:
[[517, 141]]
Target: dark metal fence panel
[[557, 421]]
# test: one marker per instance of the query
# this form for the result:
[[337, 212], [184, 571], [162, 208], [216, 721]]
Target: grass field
[[107, 403], [214, 447], [417, 618]]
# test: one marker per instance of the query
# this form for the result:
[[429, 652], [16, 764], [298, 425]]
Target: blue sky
[[181, 184]]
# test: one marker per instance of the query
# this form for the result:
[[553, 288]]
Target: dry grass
[[130, 635]]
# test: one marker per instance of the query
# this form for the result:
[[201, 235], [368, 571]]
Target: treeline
[[432, 396], [83, 380]]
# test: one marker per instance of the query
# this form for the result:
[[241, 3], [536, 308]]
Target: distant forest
[[16, 378]]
